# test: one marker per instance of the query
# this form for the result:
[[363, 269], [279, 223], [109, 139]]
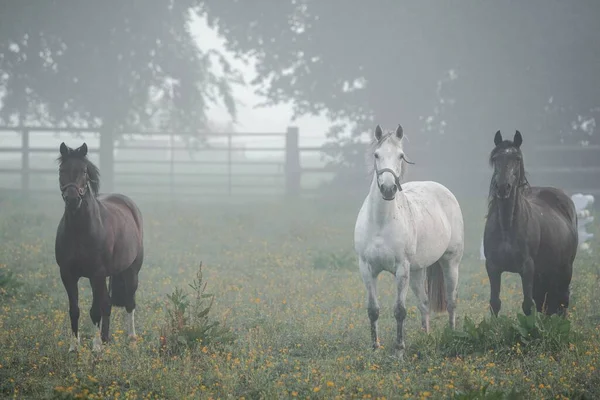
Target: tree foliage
[[445, 70], [124, 63]]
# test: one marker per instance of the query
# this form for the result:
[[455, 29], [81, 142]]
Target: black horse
[[529, 230], [98, 236]]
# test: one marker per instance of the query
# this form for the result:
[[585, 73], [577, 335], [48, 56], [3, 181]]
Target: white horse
[[407, 230]]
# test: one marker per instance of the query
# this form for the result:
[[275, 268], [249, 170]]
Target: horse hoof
[[97, 345], [133, 338], [74, 346], [400, 355]]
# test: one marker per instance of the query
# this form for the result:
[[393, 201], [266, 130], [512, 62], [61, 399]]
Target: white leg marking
[[97, 343], [131, 324], [75, 341]]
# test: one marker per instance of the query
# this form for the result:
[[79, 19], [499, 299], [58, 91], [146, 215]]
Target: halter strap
[[80, 190], [379, 172]]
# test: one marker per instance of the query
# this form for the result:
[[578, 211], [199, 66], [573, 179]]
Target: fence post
[[292, 163], [25, 160], [107, 158], [172, 164], [229, 162]]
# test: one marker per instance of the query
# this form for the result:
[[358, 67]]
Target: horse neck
[[508, 209], [82, 220], [382, 211]]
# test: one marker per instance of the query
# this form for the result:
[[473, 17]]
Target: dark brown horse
[[529, 230], [98, 236]]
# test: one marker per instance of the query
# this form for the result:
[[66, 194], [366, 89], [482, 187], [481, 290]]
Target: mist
[[246, 136]]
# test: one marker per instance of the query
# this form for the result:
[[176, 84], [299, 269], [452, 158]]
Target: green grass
[[288, 290]]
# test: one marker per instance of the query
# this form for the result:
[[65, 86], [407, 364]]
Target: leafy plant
[[188, 324], [501, 333]]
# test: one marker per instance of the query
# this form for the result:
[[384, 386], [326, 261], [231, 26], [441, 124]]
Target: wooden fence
[[169, 166], [575, 169], [140, 164]]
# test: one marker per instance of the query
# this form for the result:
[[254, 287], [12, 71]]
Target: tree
[[389, 62], [123, 64]]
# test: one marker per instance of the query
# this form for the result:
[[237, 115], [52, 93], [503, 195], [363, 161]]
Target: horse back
[[555, 199]]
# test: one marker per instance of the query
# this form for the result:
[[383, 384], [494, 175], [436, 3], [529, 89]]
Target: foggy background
[[452, 73], [240, 129]]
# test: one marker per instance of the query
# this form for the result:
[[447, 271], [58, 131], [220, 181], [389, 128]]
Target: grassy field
[[288, 291]]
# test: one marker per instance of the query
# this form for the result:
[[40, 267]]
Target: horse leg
[[527, 277], [495, 277], [101, 304], [132, 284], [370, 281], [563, 302], [418, 284], [559, 300], [70, 284], [450, 269], [540, 296], [402, 282]]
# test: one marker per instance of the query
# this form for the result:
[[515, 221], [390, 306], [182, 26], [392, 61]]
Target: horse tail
[[118, 291], [436, 288]]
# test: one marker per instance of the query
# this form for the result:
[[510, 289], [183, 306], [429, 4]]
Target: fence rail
[[156, 160], [161, 163]]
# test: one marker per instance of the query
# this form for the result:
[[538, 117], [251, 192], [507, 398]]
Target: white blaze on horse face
[[389, 155], [131, 324]]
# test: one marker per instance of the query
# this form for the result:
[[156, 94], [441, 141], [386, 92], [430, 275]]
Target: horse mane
[[374, 145], [92, 171], [523, 181]]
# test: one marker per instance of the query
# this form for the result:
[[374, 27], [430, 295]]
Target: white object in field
[[481, 252], [584, 217], [582, 203]]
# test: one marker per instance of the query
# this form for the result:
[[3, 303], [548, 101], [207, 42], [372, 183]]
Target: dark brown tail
[[436, 288]]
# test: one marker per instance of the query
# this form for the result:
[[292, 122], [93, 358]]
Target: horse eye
[[376, 155]]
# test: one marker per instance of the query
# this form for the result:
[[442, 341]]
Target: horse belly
[[433, 240]]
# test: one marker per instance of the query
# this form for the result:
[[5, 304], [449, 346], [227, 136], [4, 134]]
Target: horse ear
[[82, 150], [378, 133], [399, 132], [498, 138], [518, 139], [64, 149]]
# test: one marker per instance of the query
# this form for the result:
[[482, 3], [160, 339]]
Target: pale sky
[[250, 119]]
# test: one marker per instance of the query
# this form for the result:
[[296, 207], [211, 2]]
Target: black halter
[[396, 177], [81, 191]]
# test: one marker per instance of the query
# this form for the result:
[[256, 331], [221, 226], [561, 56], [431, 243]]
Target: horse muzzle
[[73, 203], [72, 196], [388, 192], [503, 191]]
